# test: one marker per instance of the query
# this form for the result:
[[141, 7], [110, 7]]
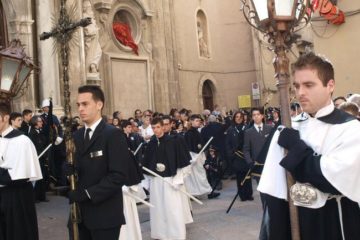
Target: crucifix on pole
[[62, 33]]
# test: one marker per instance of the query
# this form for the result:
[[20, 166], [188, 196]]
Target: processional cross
[[62, 32]]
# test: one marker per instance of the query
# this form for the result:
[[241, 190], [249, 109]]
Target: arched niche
[[208, 92], [202, 34]]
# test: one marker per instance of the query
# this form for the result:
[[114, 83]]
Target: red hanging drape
[[122, 33], [329, 11]]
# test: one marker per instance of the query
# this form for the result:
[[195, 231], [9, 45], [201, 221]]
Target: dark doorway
[[3, 28], [208, 95]]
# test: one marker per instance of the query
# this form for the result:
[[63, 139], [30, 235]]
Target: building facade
[[191, 54]]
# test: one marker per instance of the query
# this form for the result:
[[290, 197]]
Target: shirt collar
[[93, 127], [325, 110], [7, 131], [257, 126]]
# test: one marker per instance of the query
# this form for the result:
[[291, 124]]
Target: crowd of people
[[161, 158]]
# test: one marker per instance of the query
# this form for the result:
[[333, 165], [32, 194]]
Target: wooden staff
[[170, 183], [43, 152], [138, 199]]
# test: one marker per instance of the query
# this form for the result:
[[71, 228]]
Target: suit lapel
[[95, 135]]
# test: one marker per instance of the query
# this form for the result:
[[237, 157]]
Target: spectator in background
[[145, 130], [138, 116], [339, 100], [16, 120], [116, 122], [25, 125], [350, 108]]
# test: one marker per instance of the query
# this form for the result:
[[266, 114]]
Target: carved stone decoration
[[93, 50]]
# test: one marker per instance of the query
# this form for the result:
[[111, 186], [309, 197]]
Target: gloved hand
[[288, 138], [78, 195], [69, 169], [58, 140]]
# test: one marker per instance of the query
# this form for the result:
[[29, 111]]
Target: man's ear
[[331, 85], [99, 105]]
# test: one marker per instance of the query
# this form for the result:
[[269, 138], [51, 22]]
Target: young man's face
[[158, 130], [89, 109], [127, 129], [16, 123], [196, 123], [138, 114], [46, 109], [257, 117], [4, 122], [310, 91], [27, 117], [338, 102], [167, 125]]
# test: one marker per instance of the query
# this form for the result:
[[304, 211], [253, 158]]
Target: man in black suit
[[102, 164], [254, 139]]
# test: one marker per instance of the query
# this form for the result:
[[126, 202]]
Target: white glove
[[58, 140]]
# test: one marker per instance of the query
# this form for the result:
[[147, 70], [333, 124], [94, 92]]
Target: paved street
[[210, 220]]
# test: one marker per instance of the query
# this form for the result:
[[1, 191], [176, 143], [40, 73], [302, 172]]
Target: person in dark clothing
[[25, 125], [234, 150], [213, 168], [102, 164], [133, 139], [39, 140], [19, 166], [323, 156]]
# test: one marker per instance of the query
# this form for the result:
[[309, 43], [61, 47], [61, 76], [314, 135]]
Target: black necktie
[[87, 136], [260, 130]]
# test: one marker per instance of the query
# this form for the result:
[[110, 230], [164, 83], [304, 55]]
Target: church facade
[[145, 54]]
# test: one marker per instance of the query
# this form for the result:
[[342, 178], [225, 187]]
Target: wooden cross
[[62, 33]]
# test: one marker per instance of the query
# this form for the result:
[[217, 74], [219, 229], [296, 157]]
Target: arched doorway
[[3, 29], [208, 95]]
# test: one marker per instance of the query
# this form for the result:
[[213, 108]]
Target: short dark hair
[[14, 115], [33, 120], [260, 110], [97, 93], [195, 116], [115, 114], [157, 120], [125, 123], [4, 109], [166, 117], [340, 97], [26, 112], [325, 70]]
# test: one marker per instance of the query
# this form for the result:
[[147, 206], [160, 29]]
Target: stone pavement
[[210, 220]]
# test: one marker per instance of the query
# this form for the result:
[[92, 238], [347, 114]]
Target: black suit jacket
[[102, 168], [254, 141]]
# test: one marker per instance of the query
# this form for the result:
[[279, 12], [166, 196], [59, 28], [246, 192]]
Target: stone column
[[48, 58]]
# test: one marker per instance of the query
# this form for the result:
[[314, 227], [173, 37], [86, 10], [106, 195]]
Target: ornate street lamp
[[278, 20], [15, 69]]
